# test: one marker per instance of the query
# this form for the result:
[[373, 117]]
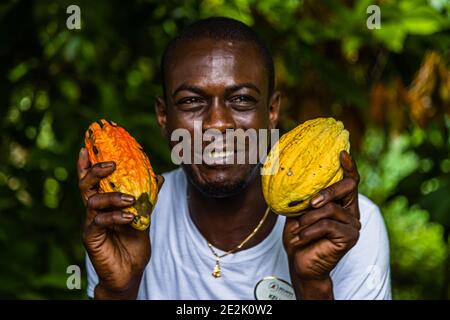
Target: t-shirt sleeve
[[364, 272], [92, 277]]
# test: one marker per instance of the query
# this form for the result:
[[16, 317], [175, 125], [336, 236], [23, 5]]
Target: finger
[[349, 166], [160, 181], [291, 225], [336, 191], [109, 200], [110, 219], [326, 229], [96, 232], [332, 211], [350, 171], [95, 174], [83, 163]]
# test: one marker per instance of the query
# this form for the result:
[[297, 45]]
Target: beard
[[224, 189]]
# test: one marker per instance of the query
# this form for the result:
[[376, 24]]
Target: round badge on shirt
[[273, 288]]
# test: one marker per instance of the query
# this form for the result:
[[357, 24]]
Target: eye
[[243, 99], [190, 100], [190, 103], [243, 102]]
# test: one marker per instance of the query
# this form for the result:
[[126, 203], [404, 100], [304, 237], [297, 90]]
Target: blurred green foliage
[[55, 81]]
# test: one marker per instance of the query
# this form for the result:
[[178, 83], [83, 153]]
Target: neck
[[226, 222]]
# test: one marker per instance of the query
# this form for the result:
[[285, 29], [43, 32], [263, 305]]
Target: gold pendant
[[217, 271]]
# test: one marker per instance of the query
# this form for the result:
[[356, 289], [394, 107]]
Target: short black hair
[[219, 29]]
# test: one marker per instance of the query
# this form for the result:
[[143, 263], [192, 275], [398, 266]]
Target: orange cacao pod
[[106, 141]]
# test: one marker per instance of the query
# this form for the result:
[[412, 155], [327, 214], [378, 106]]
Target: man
[[219, 72]]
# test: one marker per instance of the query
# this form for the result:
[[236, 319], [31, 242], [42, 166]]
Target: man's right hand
[[118, 252]]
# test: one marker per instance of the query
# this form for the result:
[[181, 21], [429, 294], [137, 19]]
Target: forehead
[[207, 62]]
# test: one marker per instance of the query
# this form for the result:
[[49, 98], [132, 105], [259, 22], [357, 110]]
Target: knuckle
[[91, 201], [101, 219], [97, 166], [355, 237], [356, 176], [358, 225], [114, 199], [325, 224], [353, 183], [290, 223], [329, 193], [115, 216], [325, 193], [331, 207], [303, 220], [117, 196], [303, 234], [98, 219], [81, 184], [96, 170]]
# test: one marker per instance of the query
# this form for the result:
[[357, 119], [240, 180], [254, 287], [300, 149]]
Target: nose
[[219, 117]]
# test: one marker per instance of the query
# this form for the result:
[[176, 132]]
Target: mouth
[[219, 157], [225, 157], [220, 154]]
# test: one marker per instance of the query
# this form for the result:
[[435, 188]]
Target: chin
[[221, 181]]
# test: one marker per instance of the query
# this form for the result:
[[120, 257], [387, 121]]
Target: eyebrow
[[228, 90], [187, 87], [237, 87]]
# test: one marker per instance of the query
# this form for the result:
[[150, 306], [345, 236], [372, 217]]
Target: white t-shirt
[[181, 263]]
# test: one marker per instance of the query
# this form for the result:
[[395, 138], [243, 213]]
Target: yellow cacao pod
[[106, 141], [304, 161]]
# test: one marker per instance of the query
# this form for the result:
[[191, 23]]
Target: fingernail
[[294, 239], [107, 164], [127, 198], [295, 225], [316, 200], [83, 151], [127, 215]]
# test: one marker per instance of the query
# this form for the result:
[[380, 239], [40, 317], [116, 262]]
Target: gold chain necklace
[[217, 271]]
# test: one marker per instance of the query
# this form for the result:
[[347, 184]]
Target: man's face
[[225, 86]]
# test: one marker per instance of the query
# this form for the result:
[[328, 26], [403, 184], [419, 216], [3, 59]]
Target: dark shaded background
[[391, 87]]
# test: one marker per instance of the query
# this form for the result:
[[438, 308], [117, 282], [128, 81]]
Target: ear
[[161, 114], [274, 109]]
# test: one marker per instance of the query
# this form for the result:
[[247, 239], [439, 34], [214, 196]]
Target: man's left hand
[[323, 234]]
